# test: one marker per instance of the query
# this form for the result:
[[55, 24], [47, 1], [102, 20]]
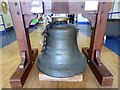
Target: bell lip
[[60, 18], [60, 74]]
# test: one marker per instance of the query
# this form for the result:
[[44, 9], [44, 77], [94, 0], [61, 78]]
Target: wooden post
[[104, 77], [28, 56]]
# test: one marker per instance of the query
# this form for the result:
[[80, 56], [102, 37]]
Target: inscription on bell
[[61, 50], [59, 54]]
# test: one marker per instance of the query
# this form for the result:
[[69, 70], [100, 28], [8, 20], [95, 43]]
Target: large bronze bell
[[60, 56]]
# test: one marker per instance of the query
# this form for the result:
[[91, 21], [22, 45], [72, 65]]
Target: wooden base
[[77, 78], [20, 75], [104, 77]]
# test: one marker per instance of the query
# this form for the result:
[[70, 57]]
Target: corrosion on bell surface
[[60, 56]]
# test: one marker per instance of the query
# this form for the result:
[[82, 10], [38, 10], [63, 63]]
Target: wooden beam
[[104, 77], [28, 56]]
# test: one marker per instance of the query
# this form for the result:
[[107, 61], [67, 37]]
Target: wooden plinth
[[76, 78]]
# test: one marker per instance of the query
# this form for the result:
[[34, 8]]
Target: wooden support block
[[104, 77], [20, 75], [77, 78]]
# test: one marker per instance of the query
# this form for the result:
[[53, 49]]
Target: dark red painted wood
[[104, 77], [18, 79], [91, 18], [100, 27]]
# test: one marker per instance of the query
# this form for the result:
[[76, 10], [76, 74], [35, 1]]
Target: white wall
[[1, 22], [119, 8], [7, 17], [115, 8], [89, 5]]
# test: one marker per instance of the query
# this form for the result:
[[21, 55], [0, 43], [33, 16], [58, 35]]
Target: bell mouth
[[60, 19]]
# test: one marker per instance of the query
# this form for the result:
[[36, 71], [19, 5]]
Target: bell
[[60, 56]]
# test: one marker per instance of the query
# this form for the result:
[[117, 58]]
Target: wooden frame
[[104, 77], [98, 21], [28, 56]]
